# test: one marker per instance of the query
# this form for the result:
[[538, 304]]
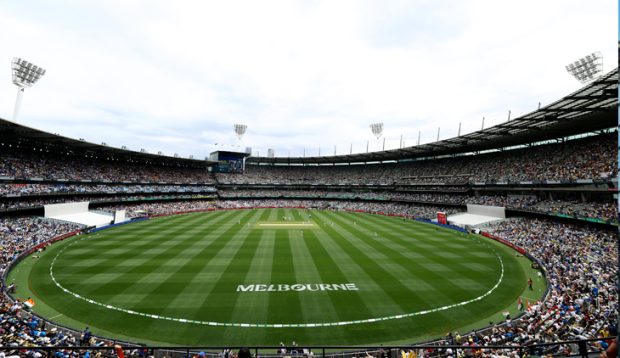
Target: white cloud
[[175, 76]]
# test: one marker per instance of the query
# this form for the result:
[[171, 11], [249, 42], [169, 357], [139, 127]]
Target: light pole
[[25, 74]]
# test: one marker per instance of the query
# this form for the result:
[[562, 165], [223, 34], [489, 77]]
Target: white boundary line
[[282, 325]]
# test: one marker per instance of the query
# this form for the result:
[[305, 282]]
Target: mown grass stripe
[[354, 242], [425, 276], [192, 301], [243, 245], [316, 306], [348, 305], [425, 235], [250, 305], [466, 265], [133, 234], [452, 240], [440, 257], [380, 256], [465, 272], [371, 276], [99, 262], [158, 298], [146, 267], [136, 266], [282, 267]]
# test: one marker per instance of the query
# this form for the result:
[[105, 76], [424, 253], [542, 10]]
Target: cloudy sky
[[174, 76]]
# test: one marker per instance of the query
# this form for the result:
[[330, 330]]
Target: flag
[[29, 303]]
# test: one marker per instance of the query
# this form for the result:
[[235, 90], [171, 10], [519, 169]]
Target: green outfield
[[258, 277]]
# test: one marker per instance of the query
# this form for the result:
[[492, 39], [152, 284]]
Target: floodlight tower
[[588, 68], [377, 130], [240, 130], [25, 74]]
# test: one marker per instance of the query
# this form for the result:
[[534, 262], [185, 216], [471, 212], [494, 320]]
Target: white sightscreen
[[53, 210], [119, 216], [494, 211], [78, 213]]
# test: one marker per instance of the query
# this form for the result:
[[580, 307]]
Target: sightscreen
[[494, 211], [55, 210]]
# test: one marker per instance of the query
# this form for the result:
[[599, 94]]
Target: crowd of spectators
[[513, 201], [607, 211], [9, 190], [30, 164], [260, 193], [13, 204], [422, 212], [414, 211], [433, 188], [581, 267], [594, 209], [18, 234], [588, 158], [597, 210], [161, 208], [18, 326]]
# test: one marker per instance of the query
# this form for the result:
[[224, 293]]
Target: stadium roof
[[14, 133], [593, 107]]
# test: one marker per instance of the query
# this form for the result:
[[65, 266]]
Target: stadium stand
[[59, 188], [588, 158], [31, 165], [606, 211], [555, 169]]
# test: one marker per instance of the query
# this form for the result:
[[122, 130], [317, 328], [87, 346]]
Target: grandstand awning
[[592, 108], [18, 134]]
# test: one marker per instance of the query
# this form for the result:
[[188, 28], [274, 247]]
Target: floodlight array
[[240, 130], [377, 129], [587, 68], [25, 74]]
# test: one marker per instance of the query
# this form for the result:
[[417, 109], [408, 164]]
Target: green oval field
[[259, 277]]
